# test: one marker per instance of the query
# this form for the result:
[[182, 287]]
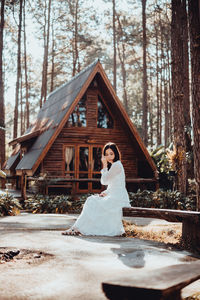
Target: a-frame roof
[[56, 111]]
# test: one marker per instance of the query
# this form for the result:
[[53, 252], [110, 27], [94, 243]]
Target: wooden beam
[[159, 284], [25, 137]]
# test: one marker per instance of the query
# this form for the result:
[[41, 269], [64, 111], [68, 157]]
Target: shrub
[[54, 204], [161, 159], [70, 204], [162, 199], [9, 206]]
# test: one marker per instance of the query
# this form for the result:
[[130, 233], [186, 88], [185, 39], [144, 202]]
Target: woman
[[102, 214]]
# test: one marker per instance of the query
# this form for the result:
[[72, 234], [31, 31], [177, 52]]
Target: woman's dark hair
[[116, 151]]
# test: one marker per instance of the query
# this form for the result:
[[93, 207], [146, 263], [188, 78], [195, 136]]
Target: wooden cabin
[[64, 145]]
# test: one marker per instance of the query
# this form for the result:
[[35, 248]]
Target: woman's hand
[[103, 194], [104, 161]]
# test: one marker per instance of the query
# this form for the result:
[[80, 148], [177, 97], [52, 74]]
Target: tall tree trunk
[[162, 78], [15, 128], [122, 57], [166, 113], [145, 87], [21, 108], [74, 10], [157, 91], [27, 114], [186, 99], [2, 111], [161, 103], [194, 25], [52, 59], [169, 93], [178, 92], [46, 52], [114, 49], [43, 66], [151, 109]]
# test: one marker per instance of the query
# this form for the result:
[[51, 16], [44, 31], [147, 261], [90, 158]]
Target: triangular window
[[78, 117], [104, 119]]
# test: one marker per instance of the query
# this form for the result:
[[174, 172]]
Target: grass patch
[[168, 234]]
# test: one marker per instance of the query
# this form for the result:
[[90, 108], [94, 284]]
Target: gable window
[[104, 119], [78, 117]]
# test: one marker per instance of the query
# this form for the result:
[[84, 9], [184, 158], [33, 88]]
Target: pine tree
[[194, 26], [2, 111]]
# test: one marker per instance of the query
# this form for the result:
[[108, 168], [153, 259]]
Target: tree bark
[[178, 92], [15, 128], [194, 26], [74, 10], [145, 86], [21, 108], [2, 108], [157, 91], [169, 93], [27, 114], [52, 59], [166, 113], [46, 52], [114, 49], [122, 62], [186, 87]]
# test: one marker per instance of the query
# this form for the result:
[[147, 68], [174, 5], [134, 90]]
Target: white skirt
[[100, 216]]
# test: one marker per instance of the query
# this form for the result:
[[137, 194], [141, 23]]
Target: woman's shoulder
[[117, 163]]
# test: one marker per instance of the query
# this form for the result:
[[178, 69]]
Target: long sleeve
[[107, 176]]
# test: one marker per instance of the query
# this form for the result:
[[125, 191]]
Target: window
[[78, 117], [70, 161], [104, 119]]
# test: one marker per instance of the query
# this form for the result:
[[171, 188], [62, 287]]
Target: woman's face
[[110, 155]]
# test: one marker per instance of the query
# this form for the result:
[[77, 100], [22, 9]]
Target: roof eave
[[25, 137]]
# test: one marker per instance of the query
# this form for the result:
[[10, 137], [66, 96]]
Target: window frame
[[104, 102]]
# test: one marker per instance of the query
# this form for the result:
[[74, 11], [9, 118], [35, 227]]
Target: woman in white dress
[[102, 213]]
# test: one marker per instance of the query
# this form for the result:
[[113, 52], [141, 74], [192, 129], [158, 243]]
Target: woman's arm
[[106, 175]]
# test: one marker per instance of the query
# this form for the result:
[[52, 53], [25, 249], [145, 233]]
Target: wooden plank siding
[[99, 136]]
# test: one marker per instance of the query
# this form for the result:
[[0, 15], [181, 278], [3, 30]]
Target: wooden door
[[83, 168], [89, 166], [84, 162]]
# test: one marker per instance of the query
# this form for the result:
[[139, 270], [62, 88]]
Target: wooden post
[[23, 186], [191, 233]]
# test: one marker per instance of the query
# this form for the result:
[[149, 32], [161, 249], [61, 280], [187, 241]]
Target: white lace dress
[[103, 215]]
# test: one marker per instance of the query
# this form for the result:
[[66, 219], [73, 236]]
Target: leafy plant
[[162, 199], [176, 158], [165, 169], [9, 206], [54, 204]]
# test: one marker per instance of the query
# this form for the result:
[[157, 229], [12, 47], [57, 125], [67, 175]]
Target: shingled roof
[[50, 117], [56, 111]]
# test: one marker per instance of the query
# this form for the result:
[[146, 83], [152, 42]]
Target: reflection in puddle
[[151, 257]]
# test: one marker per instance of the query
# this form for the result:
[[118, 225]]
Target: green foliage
[[70, 204], [191, 197], [162, 199], [164, 168], [9, 206], [161, 160], [54, 204]]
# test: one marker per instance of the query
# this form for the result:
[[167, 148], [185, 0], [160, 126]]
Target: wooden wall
[[53, 162]]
